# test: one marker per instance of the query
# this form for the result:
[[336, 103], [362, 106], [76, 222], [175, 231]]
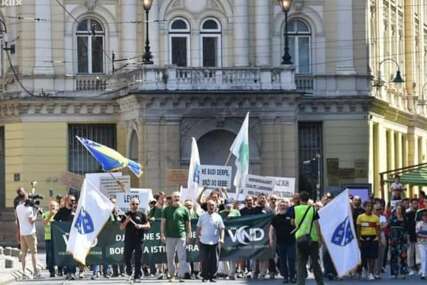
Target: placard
[[123, 199], [109, 185], [281, 186], [215, 176]]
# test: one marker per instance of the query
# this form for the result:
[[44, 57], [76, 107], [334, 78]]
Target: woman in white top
[[421, 230]]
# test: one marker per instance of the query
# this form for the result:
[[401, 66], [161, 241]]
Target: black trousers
[[209, 259], [133, 247]]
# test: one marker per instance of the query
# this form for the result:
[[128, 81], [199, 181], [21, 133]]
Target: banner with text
[[245, 238], [281, 186], [214, 176]]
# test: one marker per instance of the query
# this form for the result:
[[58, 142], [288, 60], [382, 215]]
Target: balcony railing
[[304, 82], [91, 82], [201, 78]]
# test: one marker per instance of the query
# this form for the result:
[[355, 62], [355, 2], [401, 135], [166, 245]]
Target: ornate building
[[326, 120]]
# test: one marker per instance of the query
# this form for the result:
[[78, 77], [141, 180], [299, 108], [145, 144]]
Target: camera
[[34, 201]]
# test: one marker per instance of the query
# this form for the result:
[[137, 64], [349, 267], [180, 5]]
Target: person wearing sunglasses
[[134, 223]]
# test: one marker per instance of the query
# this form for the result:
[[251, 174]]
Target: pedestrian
[[134, 223], [398, 243], [48, 218], [421, 230], [281, 231], [410, 228], [66, 214], [210, 232], [382, 242], [307, 235], [195, 266], [175, 230]]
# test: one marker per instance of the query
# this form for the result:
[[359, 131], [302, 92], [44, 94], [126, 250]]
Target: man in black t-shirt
[[281, 230], [134, 224], [250, 208]]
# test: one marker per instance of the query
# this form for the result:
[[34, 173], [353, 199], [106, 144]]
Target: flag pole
[[228, 158], [118, 182]]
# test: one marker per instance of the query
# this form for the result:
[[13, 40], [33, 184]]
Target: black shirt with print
[[132, 234]]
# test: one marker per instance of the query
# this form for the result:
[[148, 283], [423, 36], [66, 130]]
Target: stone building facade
[[323, 120]]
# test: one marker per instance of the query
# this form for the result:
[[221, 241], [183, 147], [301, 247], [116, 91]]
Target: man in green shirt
[[175, 230], [305, 218], [47, 220]]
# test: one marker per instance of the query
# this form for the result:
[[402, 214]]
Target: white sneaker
[[371, 277], [412, 272]]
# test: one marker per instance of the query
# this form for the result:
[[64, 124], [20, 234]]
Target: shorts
[[28, 242], [369, 247]]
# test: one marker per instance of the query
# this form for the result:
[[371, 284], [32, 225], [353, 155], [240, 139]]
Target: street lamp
[[286, 6], [148, 57], [397, 78]]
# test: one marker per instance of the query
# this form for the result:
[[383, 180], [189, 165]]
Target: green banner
[[245, 238]]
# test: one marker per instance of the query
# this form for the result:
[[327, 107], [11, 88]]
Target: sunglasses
[[135, 204], [73, 201]]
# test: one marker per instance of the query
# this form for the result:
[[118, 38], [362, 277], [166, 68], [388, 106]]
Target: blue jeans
[[287, 255], [49, 257], [95, 268]]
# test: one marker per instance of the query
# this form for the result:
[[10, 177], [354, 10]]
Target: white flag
[[93, 211], [193, 173], [336, 224], [240, 149]]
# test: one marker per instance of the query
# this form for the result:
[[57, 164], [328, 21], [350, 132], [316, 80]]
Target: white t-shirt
[[211, 226], [24, 213]]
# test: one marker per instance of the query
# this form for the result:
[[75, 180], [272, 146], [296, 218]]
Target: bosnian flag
[[93, 211], [193, 181], [240, 149], [336, 224]]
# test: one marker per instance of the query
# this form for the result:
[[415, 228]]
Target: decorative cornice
[[16, 109]]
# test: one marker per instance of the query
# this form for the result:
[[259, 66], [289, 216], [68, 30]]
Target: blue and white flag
[[336, 224], [93, 211], [193, 188]]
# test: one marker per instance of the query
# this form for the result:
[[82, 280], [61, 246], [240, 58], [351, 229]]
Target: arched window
[[179, 42], [300, 45], [210, 32], [90, 47]]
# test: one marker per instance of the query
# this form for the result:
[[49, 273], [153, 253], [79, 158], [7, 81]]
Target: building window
[[90, 47], [210, 32], [179, 42], [79, 159], [310, 157], [300, 45]]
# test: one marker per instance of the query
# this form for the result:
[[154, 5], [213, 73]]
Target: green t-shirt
[[305, 227], [155, 213], [176, 218], [47, 229], [231, 213]]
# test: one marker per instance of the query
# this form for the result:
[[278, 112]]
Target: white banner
[[107, 184], [281, 186], [144, 196], [215, 176]]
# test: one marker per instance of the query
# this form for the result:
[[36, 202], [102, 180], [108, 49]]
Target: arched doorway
[[214, 147]]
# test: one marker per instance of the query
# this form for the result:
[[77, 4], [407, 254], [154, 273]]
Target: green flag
[[240, 149]]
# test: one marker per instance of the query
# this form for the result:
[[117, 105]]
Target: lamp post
[[397, 78], [147, 57], [286, 6]]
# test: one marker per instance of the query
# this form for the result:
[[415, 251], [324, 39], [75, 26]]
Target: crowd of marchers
[[392, 237]]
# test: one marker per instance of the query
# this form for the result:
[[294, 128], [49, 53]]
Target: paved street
[[238, 282]]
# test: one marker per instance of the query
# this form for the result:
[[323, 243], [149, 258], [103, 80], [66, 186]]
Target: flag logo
[[196, 176], [343, 234], [84, 223]]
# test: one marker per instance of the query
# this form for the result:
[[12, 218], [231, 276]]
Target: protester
[[307, 235], [210, 232], [398, 243], [421, 230], [28, 240], [175, 230], [134, 223], [48, 218], [281, 231], [410, 228], [379, 211], [66, 214], [328, 266], [368, 228]]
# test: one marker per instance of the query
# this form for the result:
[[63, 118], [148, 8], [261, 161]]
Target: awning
[[413, 175]]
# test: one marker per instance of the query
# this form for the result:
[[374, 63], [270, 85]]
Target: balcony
[[304, 82], [90, 82], [204, 78]]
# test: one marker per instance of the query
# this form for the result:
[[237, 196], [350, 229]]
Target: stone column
[[43, 38], [241, 32], [128, 28], [344, 49], [262, 32], [154, 31]]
